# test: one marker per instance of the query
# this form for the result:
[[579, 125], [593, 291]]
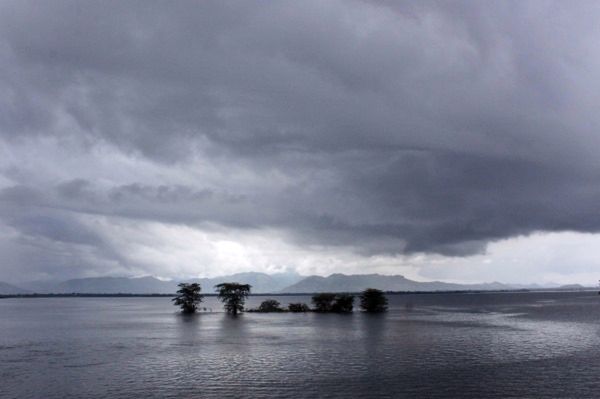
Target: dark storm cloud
[[393, 126]]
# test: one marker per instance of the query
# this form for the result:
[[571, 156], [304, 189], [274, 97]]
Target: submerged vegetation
[[323, 302], [298, 308], [333, 303], [270, 305], [188, 297], [343, 303]]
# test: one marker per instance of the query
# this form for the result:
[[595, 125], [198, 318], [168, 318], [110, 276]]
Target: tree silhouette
[[233, 295], [373, 301], [188, 297], [270, 305]]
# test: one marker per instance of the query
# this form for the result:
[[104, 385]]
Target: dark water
[[475, 345]]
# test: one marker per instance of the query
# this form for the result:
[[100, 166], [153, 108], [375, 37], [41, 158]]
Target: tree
[[343, 303], [188, 297], [298, 307], [323, 302], [270, 305], [233, 295], [373, 301]]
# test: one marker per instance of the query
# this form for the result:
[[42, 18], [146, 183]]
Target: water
[[444, 345]]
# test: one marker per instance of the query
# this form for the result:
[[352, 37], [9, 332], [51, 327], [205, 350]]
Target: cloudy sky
[[440, 140]]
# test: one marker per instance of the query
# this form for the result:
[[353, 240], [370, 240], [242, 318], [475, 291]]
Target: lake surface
[[438, 345]]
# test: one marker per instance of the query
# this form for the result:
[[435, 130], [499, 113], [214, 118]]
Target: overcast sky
[[440, 140]]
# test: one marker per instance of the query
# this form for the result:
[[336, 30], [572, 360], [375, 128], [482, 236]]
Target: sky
[[443, 140]]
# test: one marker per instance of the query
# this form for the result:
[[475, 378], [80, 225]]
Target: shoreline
[[281, 294]]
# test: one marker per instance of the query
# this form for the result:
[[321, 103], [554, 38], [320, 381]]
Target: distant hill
[[572, 287], [40, 286], [260, 282], [9, 289], [115, 285], [358, 282]]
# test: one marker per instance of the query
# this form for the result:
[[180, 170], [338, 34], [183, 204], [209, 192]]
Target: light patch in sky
[[175, 251], [562, 258]]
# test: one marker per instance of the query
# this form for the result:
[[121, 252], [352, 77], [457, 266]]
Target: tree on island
[[373, 300], [188, 297], [233, 295]]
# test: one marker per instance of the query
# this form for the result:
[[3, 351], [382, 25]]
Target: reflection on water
[[475, 345]]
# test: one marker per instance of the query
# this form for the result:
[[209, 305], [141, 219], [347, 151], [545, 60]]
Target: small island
[[233, 296]]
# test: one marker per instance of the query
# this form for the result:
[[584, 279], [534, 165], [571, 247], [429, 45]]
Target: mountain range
[[358, 282], [260, 282], [9, 289]]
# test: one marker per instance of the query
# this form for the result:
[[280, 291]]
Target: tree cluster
[[371, 301], [233, 296]]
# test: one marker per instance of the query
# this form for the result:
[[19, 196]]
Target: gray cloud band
[[390, 129]]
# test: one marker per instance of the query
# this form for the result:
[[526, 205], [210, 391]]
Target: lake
[[427, 345]]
